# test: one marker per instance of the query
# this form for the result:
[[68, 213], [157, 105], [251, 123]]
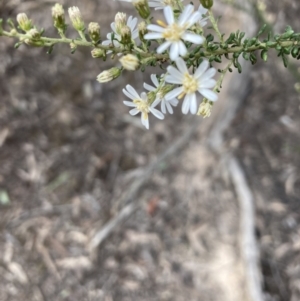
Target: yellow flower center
[[190, 84], [173, 32], [143, 107]]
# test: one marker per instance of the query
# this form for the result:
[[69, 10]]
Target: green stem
[[215, 25], [220, 80], [159, 57]]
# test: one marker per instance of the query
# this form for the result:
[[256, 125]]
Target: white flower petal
[[163, 47], [155, 103], [174, 102], [132, 91], [169, 107], [207, 84], [201, 69], [134, 111], [186, 104], [210, 95], [129, 103], [173, 80], [145, 122], [193, 103], [113, 26], [193, 38], [131, 22], [157, 113], [163, 106], [174, 93], [208, 74], [174, 51], [195, 17], [148, 87], [175, 73], [153, 36], [156, 28], [181, 65], [154, 80], [185, 15], [182, 49], [128, 94], [144, 97], [169, 15]]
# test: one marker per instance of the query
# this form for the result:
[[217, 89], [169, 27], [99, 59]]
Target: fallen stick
[[129, 199], [248, 244]]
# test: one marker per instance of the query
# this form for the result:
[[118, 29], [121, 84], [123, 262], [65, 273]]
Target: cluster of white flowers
[[178, 82]]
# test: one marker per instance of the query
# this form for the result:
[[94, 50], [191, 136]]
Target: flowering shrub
[[178, 44]]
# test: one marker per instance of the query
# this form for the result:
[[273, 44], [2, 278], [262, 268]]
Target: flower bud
[[73, 47], [151, 96], [130, 62], [76, 18], [97, 53], [126, 35], [205, 108], [58, 15], [142, 28], [94, 32], [24, 23], [120, 22], [207, 3], [142, 8], [164, 90], [34, 33], [109, 75]]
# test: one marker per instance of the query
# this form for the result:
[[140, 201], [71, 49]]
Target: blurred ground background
[[68, 152]]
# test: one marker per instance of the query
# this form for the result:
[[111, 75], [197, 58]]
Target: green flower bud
[[164, 90], [94, 32], [142, 28], [120, 21], [109, 75], [73, 47], [130, 62], [126, 35], [76, 18], [58, 15], [24, 23], [207, 3], [205, 108], [142, 8], [34, 33], [97, 53], [151, 96]]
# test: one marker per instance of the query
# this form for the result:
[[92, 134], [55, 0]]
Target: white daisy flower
[[200, 81], [176, 31], [203, 20], [161, 4], [165, 104], [131, 23], [140, 105]]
